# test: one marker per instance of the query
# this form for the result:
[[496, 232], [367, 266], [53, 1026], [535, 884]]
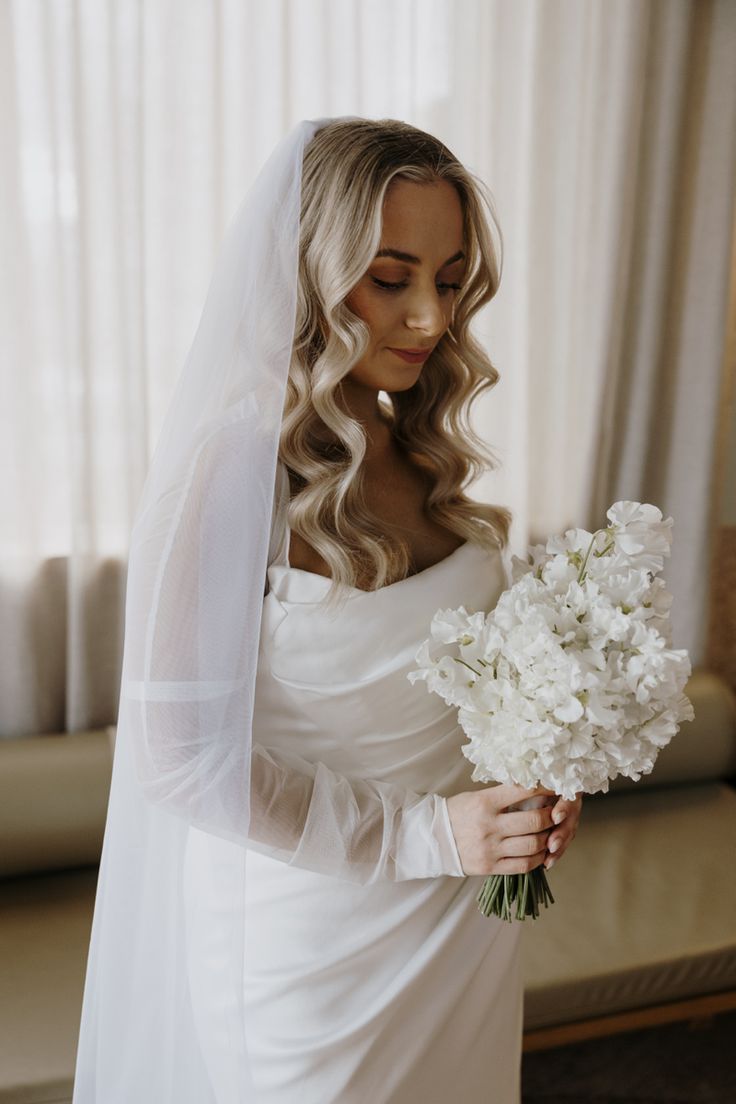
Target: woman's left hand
[[566, 815]]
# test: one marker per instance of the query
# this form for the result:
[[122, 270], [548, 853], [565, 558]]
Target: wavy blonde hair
[[347, 168]]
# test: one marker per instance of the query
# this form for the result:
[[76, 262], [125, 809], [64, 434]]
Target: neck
[[362, 404]]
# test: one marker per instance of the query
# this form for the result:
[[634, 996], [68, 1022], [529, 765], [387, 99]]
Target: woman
[[324, 944]]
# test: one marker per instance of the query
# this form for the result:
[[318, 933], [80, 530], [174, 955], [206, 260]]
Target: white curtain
[[129, 131]]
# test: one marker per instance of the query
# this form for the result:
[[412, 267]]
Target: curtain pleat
[[130, 131], [659, 410]]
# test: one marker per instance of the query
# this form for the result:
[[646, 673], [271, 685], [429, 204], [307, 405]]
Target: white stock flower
[[640, 533], [449, 625], [571, 679]]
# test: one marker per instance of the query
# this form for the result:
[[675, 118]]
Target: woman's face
[[424, 224]]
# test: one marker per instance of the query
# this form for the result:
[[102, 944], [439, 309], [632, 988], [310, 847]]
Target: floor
[[673, 1064]]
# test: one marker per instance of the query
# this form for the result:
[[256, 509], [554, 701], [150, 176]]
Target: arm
[[360, 830], [192, 628]]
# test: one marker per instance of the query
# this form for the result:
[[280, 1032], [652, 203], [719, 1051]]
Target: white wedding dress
[[371, 977]]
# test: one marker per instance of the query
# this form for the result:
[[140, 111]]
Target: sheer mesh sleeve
[[195, 757], [310, 816]]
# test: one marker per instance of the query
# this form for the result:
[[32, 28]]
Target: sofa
[[643, 929]]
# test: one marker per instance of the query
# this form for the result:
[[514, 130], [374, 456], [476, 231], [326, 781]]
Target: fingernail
[[554, 846], [558, 816], [549, 864]]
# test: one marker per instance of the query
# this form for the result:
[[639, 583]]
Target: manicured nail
[[555, 844], [558, 816], [550, 863]]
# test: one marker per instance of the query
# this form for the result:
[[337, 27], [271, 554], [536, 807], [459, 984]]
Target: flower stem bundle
[[500, 892], [571, 680]]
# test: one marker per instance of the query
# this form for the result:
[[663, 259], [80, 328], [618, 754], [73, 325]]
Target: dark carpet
[[674, 1064]]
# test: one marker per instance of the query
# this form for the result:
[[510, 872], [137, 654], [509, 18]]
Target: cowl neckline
[[297, 585], [327, 580]]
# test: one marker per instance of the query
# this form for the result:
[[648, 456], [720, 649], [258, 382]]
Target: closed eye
[[397, 287]]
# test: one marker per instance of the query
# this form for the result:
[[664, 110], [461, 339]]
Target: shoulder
[[278, 513], [306, 558]]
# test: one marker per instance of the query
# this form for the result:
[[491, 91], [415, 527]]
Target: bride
[[286, 906]]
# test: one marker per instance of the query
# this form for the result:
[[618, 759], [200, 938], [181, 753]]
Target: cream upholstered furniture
[[643, 929], [644, 926], [53, 798]]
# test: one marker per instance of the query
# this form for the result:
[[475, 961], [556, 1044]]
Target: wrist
[[452, 864]]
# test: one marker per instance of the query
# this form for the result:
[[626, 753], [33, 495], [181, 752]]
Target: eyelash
[[397, 287]]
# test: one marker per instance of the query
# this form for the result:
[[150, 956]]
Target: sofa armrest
[[53, 801]]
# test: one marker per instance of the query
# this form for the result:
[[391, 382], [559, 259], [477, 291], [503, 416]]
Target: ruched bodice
[[335, 687], [370, 973]]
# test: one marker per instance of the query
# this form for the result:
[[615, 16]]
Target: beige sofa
[[644, 927]]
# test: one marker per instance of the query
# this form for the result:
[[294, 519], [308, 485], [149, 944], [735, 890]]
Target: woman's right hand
[[493, 839]]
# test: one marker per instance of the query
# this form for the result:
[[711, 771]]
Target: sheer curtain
[[129, 132]]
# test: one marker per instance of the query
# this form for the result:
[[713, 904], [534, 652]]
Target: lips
[[412, 356]]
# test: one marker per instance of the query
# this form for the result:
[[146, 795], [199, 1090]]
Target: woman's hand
[[566, 816], [493, 838]]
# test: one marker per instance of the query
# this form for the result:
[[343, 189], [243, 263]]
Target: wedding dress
[[280, 898], [370, 975]]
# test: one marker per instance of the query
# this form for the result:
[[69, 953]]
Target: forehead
[[428, 213]]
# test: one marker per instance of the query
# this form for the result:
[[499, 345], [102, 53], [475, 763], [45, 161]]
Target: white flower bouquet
[[570, 680]]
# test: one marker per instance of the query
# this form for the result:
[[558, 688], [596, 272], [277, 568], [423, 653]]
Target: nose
[[428, 312]]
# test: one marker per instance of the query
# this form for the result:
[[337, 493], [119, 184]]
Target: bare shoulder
[[304, 557]]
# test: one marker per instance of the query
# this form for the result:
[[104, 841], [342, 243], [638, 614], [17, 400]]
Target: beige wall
[[726, 507], [721, 651]]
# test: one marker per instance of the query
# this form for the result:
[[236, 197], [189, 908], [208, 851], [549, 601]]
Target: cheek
[[375, 312]]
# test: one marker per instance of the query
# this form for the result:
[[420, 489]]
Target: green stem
[[499, 892], [521, 913], [458, 660], [581, 573], [533, 890]]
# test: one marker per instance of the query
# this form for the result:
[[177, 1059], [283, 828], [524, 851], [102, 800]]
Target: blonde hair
[[347, 168]]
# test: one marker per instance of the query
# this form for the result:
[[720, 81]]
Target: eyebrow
[[411, 259]]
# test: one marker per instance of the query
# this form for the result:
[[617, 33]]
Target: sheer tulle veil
[[197, 567]]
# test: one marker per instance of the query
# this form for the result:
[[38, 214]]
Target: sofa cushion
[[645, 907], [45, 924], [53, 801]]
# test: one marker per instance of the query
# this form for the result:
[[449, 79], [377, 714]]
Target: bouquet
[[570, 680]]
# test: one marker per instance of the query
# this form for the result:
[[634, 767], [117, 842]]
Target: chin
[[404, 384], [378, 377]]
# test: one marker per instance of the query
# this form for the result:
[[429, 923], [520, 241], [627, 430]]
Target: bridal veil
[[183, 746], [186, 769]]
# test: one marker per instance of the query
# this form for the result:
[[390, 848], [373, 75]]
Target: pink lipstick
[[412, 356]]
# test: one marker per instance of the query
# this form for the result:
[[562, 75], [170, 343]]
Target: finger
[[562, 808], [522, 823], [510, 794], [516, 865], [523, 846], [507, 793], [550, 860], [557, 845], [559, 812]]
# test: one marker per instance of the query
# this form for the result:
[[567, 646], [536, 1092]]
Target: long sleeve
[[360, 830], [195, 758]]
